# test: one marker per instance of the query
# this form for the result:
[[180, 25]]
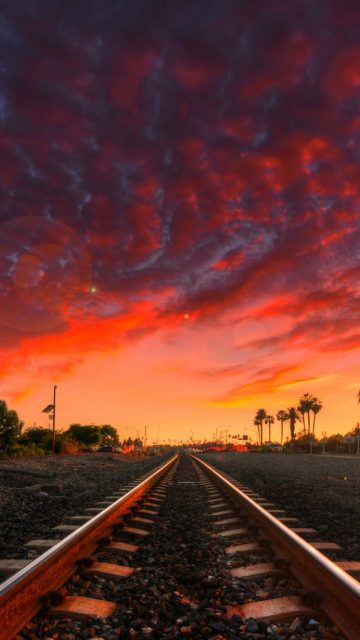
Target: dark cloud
[[208, 149]]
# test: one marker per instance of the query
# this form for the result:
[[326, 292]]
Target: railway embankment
[[322, 491], [36, 494]]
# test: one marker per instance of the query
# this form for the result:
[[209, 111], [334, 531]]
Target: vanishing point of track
[[238, 515]]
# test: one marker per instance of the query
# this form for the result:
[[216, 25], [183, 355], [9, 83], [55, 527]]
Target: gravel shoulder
[[37, 494], [323, 492]]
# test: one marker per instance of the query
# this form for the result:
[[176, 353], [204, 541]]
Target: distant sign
[[348, 439], [245, 437]]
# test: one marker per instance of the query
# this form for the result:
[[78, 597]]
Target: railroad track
[[184, 551]]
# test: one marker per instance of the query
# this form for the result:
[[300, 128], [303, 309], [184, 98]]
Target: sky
[[179, 212]]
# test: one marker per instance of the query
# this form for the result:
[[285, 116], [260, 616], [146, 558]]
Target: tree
[[358, 396], [269, 420], [305, 406], [138, 444], [257, 425], [10, 427], [316, 406], [333, 443], [355, 433], [109, 435], [306, 442], [260, 416], [281, 416], [292, 416], [39, 436], [85, 435]]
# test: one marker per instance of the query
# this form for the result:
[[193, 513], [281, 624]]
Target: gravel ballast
[[39, 493], [322, 491], [181, 587]]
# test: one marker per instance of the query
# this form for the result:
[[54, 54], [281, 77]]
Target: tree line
[[306, 411], [14, 441]]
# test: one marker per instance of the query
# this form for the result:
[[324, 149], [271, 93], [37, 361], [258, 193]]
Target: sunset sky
[[179, 201]]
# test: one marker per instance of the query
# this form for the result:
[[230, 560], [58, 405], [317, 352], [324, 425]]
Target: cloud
[[199, 160], [246, 393]]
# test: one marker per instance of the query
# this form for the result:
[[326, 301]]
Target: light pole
[[145, 437], [48, 409], [323, 442], [54, 419]]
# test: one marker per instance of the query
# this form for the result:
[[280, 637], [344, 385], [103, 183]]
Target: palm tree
[[305, 406], [269, 420], [260, 416], [257, 425], [293, 416], [281, 415], [316, 406], [301, 410]]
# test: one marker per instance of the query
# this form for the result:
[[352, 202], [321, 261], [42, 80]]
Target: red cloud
[[342, 80]]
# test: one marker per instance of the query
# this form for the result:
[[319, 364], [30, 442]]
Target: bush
[[65, 444], [21, 450]]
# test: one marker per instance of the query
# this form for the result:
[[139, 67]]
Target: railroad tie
[[224, 512], [248, 547], [80, 519], [65, 528], [152, 505], [41, 545], [265, 505], [220, 523], [352, 567], [254, 571], [288, 520], [229, 533], [149, 512], [301, 531], [93, 510], [326, 546], [142, 520], [268, 610], [123, 547], [110, 569], [10, 566], [135, 531], [82, 607]]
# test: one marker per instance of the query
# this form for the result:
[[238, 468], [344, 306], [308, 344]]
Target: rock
[[41, 494], [297, 622], [252, 626], [186, 631]]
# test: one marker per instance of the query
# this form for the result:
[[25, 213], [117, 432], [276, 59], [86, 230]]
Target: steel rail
[[338, 592], [21, 594]]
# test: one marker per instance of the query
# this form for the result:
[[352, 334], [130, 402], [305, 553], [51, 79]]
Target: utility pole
[[145, 436], [54, 420], [51, 410], [323, 441]]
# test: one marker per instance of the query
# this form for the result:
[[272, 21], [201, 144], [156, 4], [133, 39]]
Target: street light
[[48, 409]]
